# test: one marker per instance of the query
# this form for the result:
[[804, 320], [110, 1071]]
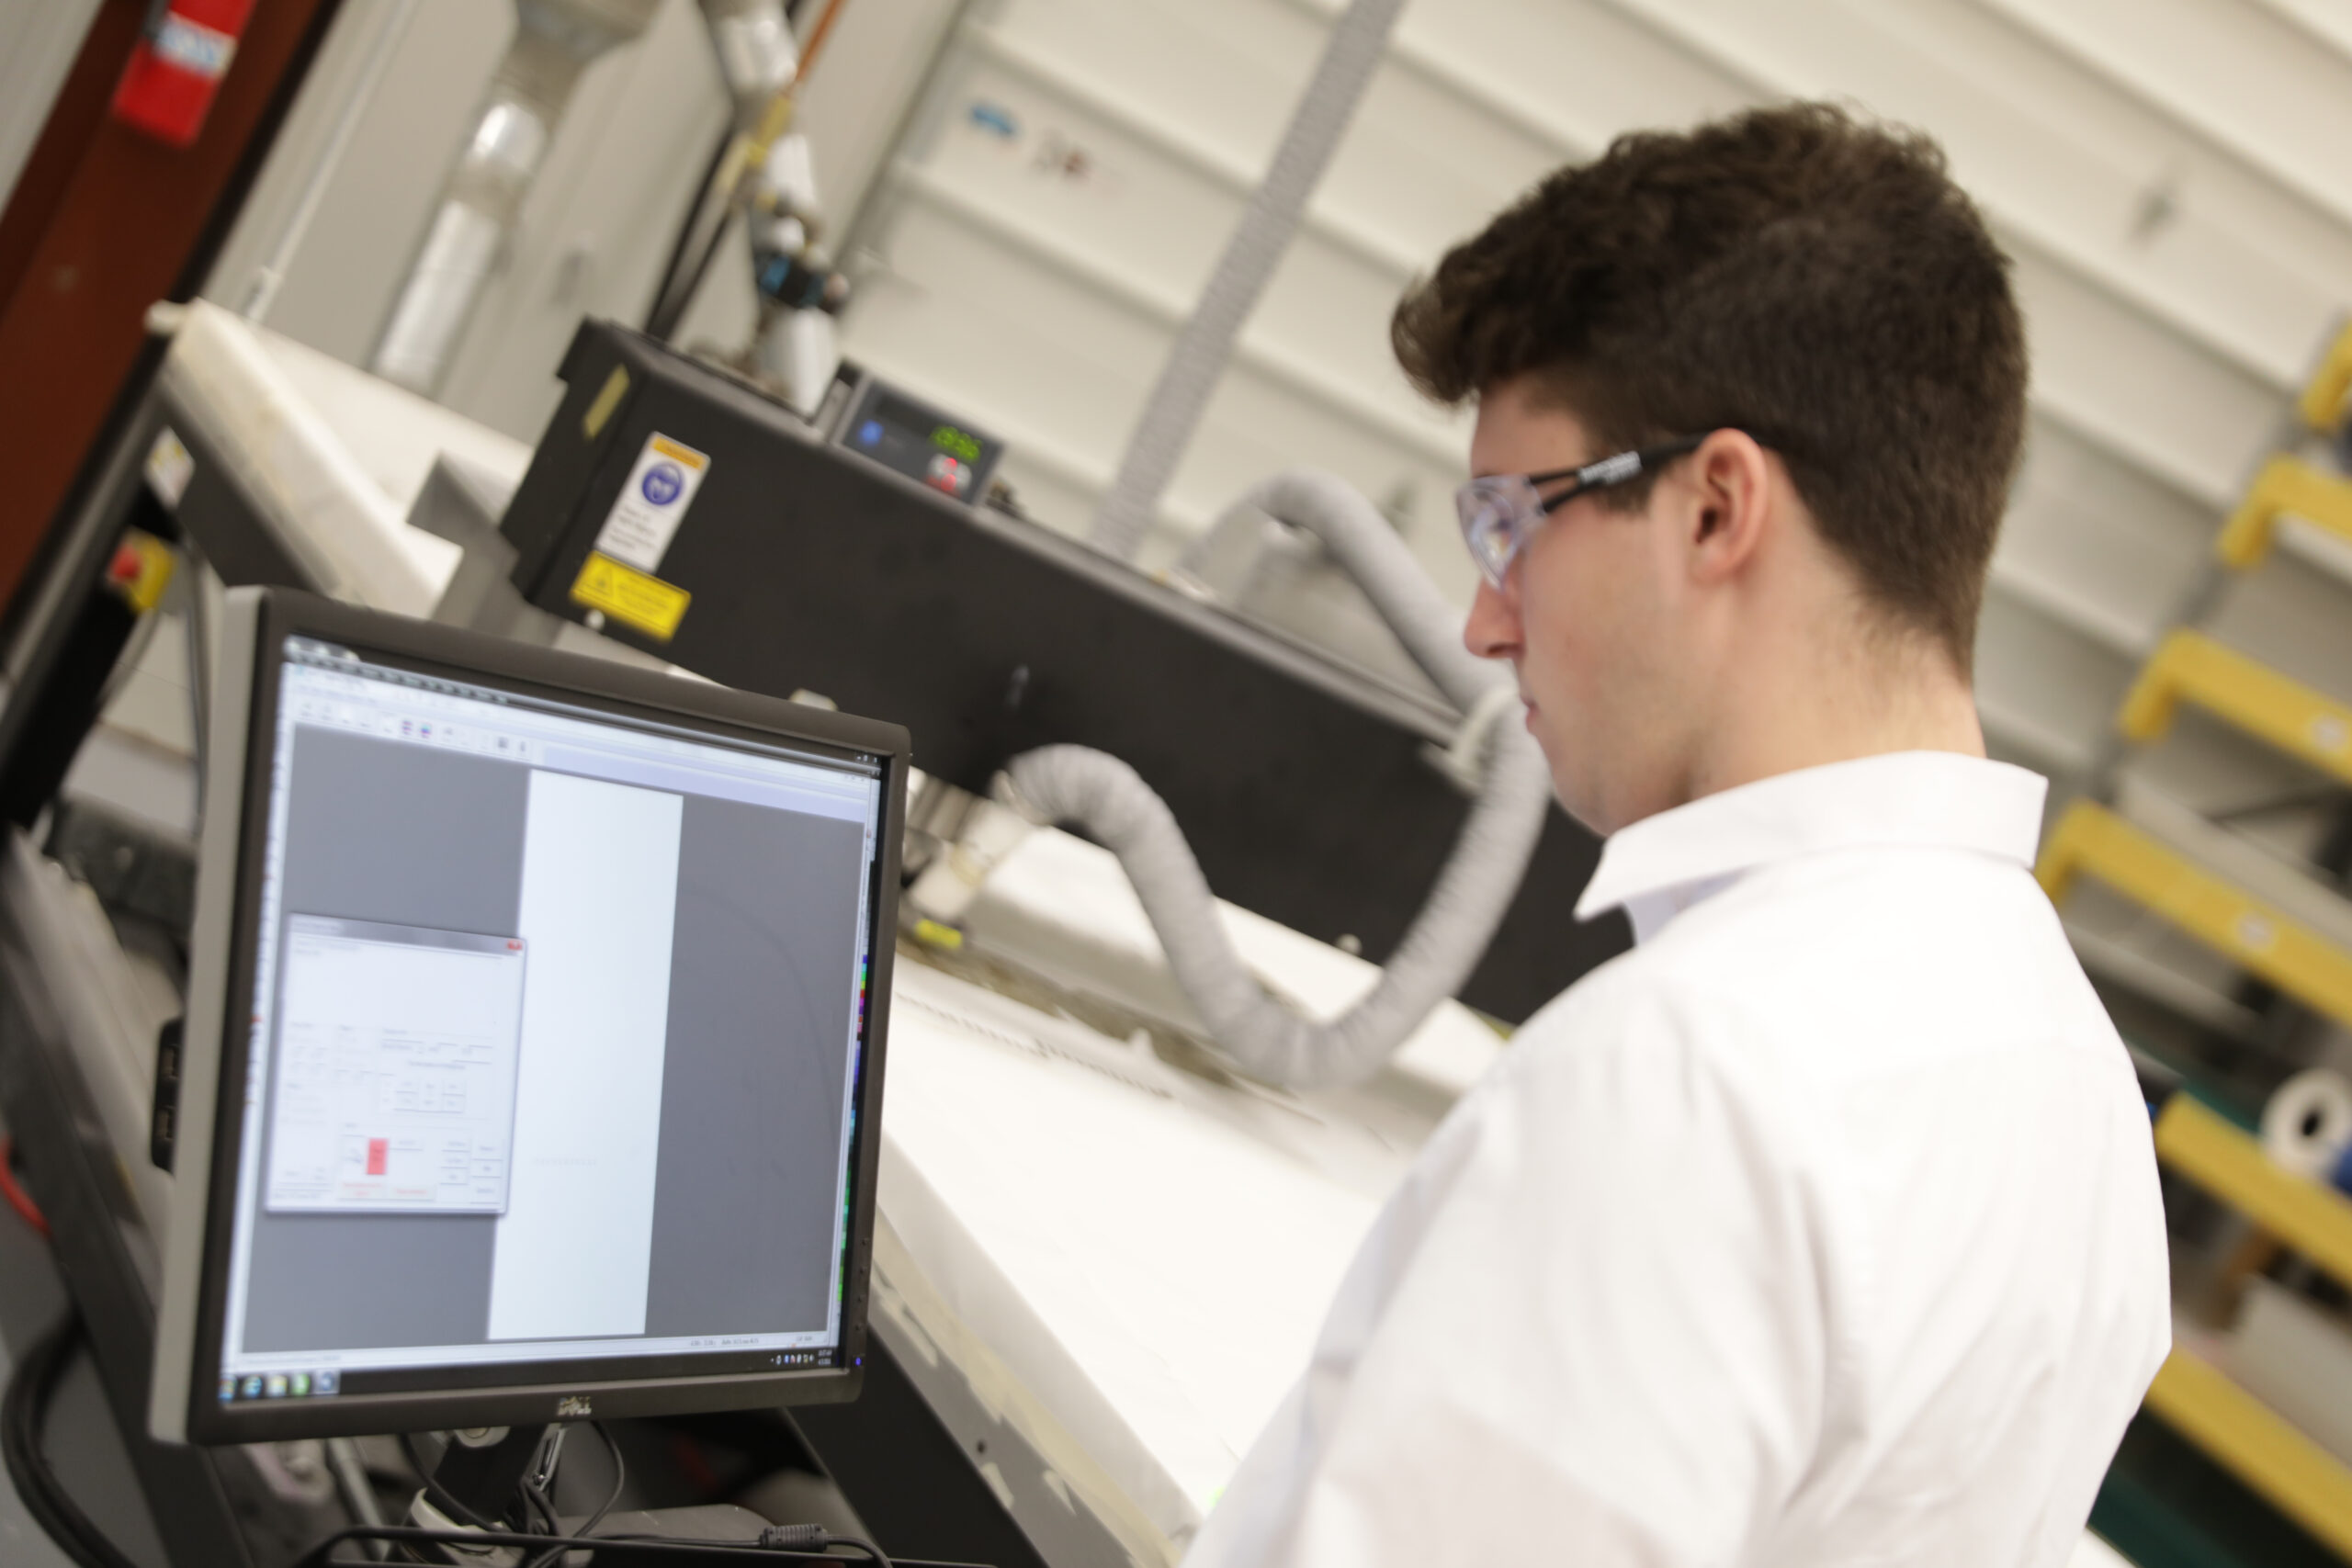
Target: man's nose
[[1492, 630]]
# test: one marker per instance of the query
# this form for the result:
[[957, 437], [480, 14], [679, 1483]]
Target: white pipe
[[554, 43], [757, 54]]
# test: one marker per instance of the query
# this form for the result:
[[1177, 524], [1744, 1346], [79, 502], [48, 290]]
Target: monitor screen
[[558, 1016]]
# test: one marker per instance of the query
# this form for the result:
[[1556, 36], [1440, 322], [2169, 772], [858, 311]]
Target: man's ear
[[1728, 485]]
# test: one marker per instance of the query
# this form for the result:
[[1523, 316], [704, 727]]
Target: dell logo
[[571, 1407]]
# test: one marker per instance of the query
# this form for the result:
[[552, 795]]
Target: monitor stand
[[483, 1471], [480, 1473]]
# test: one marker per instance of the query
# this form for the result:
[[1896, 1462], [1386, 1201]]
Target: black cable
[[703, 201], [539, 1508], [439, 1495], [23, 1415], [620, 1479], [873, 1552], [803, 1540], [542, 1510], [670, 314], [620, 1546]]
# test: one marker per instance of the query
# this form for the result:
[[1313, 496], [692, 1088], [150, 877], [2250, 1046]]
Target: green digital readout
[[921, 443]]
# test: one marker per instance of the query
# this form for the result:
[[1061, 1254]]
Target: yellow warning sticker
[[630, 597], [608, 398]]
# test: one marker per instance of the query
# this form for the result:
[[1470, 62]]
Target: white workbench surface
[[1148, 1252]]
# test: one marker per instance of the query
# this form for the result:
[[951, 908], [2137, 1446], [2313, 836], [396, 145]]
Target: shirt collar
[[1663, 864]]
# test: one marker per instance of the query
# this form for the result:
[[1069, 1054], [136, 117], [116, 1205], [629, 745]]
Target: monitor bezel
[[261, 621]]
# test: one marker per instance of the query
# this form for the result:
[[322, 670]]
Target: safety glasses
[[1500, 512]]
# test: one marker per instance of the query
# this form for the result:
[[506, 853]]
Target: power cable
[[817, 35], [23, 1416], [801, 1543], [669, 302], [18, 1199], [440, 1495], [734, 160], [620, 1479]]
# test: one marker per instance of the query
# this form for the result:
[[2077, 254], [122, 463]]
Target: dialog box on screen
[[397, 1050]]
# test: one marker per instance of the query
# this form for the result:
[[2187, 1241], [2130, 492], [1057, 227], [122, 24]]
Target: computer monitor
[[534, 1051]]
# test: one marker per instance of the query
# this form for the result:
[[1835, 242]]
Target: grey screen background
[[743, 1191], [760, 999], [376, 831]]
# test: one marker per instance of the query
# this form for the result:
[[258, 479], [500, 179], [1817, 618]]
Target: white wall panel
[[1575, 73], [2296, 620], [970, 317], [38, 41], [2325, 23], [2117, 544], [1060, 351], [593, 230], [2249, 74], [2165, 402], [2171, 283], [855, 100], [2191, 405], [369, 222], [2045, 684], [2062, 160], [2177, 270], [2166, 175]]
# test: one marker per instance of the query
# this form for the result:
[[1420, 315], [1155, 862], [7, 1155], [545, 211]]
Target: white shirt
[[1822, 1228]]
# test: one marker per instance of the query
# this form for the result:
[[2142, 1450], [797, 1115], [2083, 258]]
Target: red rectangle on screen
[[378, 1150]]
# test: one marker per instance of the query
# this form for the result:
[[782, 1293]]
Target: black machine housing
[[1304, 784]]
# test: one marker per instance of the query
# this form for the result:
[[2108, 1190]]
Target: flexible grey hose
[[1116, 807], [1366, 545], [1201, 349]]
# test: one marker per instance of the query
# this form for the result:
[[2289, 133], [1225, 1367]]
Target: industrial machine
[[834, 559]]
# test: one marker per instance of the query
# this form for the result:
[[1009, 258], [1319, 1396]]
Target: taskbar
[[329, 1381]]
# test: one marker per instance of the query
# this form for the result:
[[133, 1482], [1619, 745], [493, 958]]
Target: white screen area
[[557, 1020], [396, 1058], [572, 1260]]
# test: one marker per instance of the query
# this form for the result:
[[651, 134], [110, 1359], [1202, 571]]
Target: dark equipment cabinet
[[1302, 783]]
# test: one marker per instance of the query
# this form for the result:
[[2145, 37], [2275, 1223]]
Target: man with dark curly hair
[[1822, 1228]]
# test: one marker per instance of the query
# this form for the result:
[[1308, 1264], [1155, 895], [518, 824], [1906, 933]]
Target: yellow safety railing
[[2268, 1453], [2322, 403], [2313, 1219], [2191, 667], [2244, 1435], [2285, 485], [2091, 840]]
